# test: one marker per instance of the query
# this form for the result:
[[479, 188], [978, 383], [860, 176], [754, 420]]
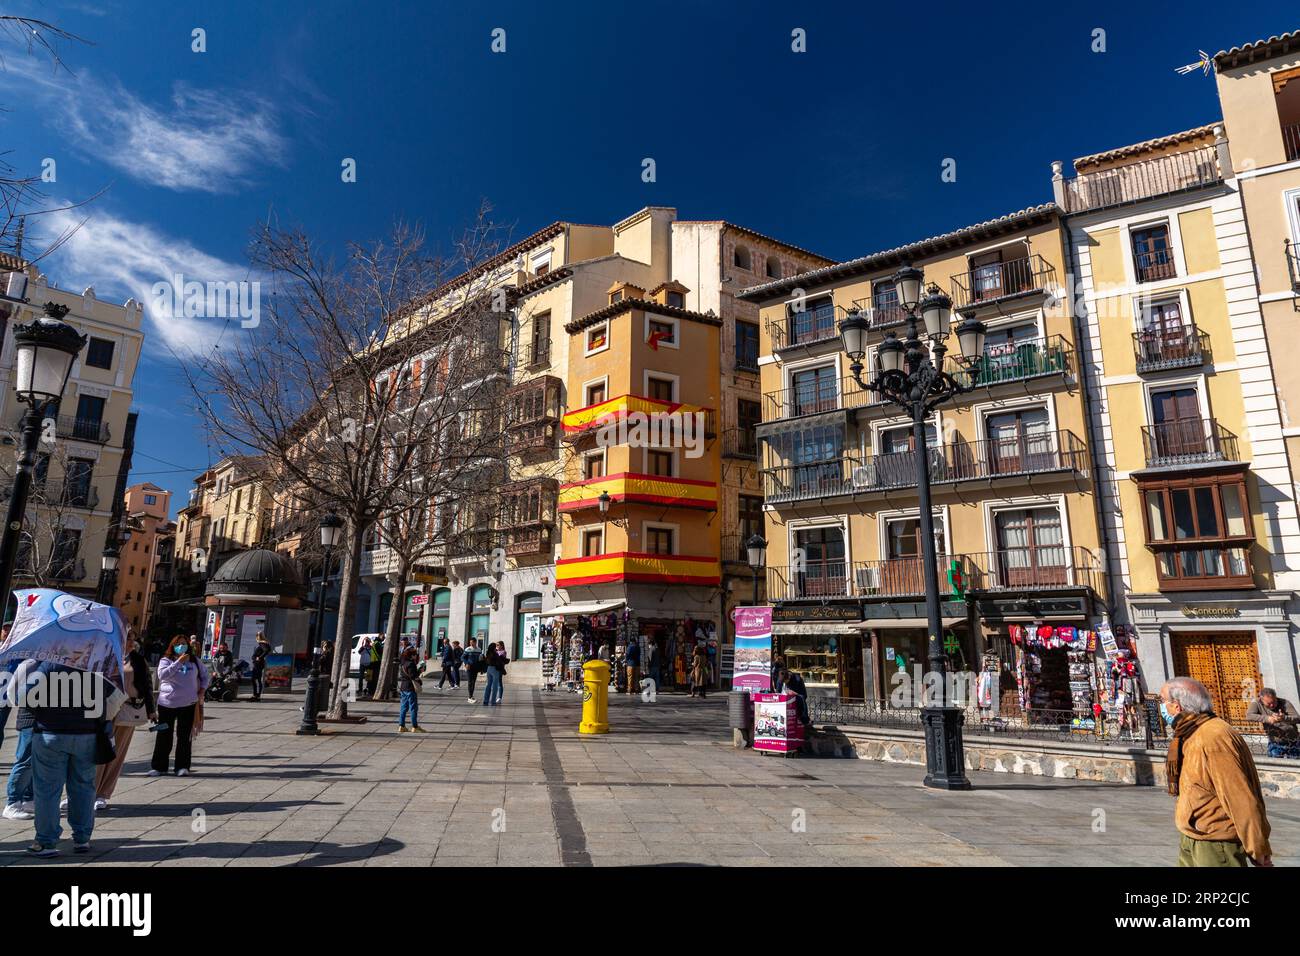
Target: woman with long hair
[[138, 710]]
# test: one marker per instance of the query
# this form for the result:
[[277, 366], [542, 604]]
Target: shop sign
[[419, 599], [424, 577], [1034, 606], [752, 667], [817, 612], [1210, 610]]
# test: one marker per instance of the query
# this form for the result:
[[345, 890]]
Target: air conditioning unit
[[863, 477], [868, 580]]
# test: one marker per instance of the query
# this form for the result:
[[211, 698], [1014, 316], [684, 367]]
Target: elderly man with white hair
[[1220, 808]]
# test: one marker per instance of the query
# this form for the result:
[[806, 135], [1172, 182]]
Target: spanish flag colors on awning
[[613, 409], [635, 488], [638, 567]]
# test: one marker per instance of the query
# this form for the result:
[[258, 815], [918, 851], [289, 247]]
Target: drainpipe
[[1113, 577]]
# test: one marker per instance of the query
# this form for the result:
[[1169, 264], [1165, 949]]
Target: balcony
[[1158, 350], [992, 462], [1291, 140], [523, 541], [633, 488], [1122, 185], [1188, 441], [1018, 362], [470, 546], [812, 326], [630, 566], [1043, 567], [1000, 281], [890, 577], [811, 399], [538, 353], [740, 443], [1292, 265], [637, 411]]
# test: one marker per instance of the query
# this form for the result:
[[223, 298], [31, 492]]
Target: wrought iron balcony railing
[[1001, 280], [1135, 182], [1187, 441], [1291, 140], [740, 443], [849, 475], [814, 324], [824, 395], [1159, 349], [1036, 567], [1017, 361]]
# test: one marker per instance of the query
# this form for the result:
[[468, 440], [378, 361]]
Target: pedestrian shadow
[[126, 811], [314, 852]]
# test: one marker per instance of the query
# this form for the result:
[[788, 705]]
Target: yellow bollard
[[595, 698]]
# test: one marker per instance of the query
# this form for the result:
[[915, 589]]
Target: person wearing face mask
[[182, 679], [1220, 806]]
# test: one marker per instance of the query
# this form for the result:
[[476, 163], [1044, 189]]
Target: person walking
[[408, 680], [68, 740], [363, 662], [260, 652], [376, 661], [496, 668], [449, 665], [472, 659], [136, 711], [20, 797], [1279, 718], [652, 662], [700, 671], [632, 661], [550, 655], [1220, 806], [182, 678]]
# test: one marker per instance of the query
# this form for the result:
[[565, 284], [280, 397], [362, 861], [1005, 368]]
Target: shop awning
[[583, 609], [895, 623]]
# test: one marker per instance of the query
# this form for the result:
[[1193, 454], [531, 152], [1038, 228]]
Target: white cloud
[[205, 140], [124, 259]]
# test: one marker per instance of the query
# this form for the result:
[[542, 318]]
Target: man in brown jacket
[[1220, 807]]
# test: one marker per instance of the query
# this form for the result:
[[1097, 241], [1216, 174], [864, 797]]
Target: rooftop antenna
[[1204, 64], [18, 239]]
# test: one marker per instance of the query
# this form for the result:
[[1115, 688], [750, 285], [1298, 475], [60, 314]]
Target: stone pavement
[[517, 785]]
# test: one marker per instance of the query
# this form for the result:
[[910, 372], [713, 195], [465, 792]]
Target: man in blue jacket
[[70, 710]]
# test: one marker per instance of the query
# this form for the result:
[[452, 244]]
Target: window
[[541, 348], [595, 393], [661, 332], [659, 540], [813, 390], [884, 303], [99, 353], [1153, 258], [748, 415], [135, 545], [77, 482], [824, 573], [660, 463], [593, 466], [812, 321], [1020, 441], [750, 510], [151, 499], [616, 296], [773, 267], [597, 338], [63, 559], [90, 417], [1199, 529], [741, 258], [1177, 429], [747, 345], [675, 299], [661, 389], [592, 544], [1031, 548]]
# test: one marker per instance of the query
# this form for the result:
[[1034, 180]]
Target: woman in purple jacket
[[182, 678]]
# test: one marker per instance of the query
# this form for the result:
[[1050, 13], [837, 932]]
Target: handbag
[[105, 747], [132, 714]]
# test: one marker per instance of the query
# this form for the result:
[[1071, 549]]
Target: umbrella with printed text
[[64, 629]]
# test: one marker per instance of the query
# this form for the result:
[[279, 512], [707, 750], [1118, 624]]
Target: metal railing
[[1000, 280], [1291, 140], [1017, 361], [1292, 265], [809, 326], [1188, 441], [1026, 454], [1159, 349], [740, 442], [1038, 567], [539, 352], [888, 577], [824, 395], [1154, 265], [1135, 182]]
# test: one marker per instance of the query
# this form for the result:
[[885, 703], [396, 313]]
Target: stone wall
[[1061, 760]]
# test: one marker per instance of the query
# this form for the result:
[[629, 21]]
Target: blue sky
[[838, 149]]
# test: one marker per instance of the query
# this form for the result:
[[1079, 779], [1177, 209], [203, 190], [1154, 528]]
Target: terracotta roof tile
[[1259, 50], [1148, 145]]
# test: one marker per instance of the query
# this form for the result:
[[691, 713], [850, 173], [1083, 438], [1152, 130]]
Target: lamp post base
[[945, 758], [308, 727]]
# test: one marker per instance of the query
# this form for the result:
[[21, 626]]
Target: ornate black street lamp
[[331, 532], [910, 375], [45, 350], [755, 552], [107, 573]]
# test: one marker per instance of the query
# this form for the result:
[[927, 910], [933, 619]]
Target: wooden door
[[1176, 417], [1019, 441], [1031, 548], [986, 275], [1164, 336], [1228, 665]]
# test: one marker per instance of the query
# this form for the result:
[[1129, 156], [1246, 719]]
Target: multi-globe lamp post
[[331, 533], [910, 374], [45, 351]]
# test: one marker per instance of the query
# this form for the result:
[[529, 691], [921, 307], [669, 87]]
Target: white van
[[355, 664]]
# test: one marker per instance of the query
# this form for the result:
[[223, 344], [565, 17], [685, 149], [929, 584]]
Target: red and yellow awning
[[593, 416], [635, 488], [638, 567]]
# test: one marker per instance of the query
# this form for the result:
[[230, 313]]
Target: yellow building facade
[[1197, 496], [1011, 470]]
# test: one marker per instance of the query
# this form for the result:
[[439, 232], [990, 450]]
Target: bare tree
[[359, 377]]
